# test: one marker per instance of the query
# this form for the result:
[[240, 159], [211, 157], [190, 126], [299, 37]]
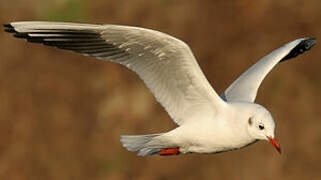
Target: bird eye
[[261, 127]]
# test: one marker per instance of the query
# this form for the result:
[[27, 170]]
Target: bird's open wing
[[164, 63], [246, 86]]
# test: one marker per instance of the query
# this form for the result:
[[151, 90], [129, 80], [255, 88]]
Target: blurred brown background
[[61, 114]]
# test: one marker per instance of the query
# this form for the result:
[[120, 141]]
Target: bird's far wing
[[246, 86], [164, 63]]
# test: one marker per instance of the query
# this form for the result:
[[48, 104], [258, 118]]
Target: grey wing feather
[[246, 86], [164, 63]]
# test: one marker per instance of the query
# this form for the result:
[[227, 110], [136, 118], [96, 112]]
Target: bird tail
[[145, 145]]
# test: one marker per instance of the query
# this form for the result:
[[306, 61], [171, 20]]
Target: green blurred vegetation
[[70, 10]]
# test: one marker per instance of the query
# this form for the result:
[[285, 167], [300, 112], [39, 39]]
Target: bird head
[[261, 126]]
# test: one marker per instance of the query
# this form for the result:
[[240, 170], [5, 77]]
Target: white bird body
[[208, 134], [207, 123]]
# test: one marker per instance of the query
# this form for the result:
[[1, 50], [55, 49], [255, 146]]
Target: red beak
[[275, 144]]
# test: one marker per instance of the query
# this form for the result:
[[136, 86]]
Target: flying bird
[[207, 122]]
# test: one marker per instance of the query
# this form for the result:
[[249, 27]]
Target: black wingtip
[[35, 40], [303, 46], [310, 42], [9, 28], [7, 25], [21, 35]]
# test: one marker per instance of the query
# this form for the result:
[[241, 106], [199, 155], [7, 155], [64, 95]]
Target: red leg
[[169, 151]]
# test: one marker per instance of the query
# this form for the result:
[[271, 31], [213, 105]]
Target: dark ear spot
[[250, 121]]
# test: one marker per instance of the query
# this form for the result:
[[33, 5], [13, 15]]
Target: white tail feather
[[145, 145]]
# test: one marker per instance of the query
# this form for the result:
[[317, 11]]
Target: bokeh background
[[61, 114]]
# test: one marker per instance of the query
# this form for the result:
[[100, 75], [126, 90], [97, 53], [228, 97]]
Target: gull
[[207, 122]]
